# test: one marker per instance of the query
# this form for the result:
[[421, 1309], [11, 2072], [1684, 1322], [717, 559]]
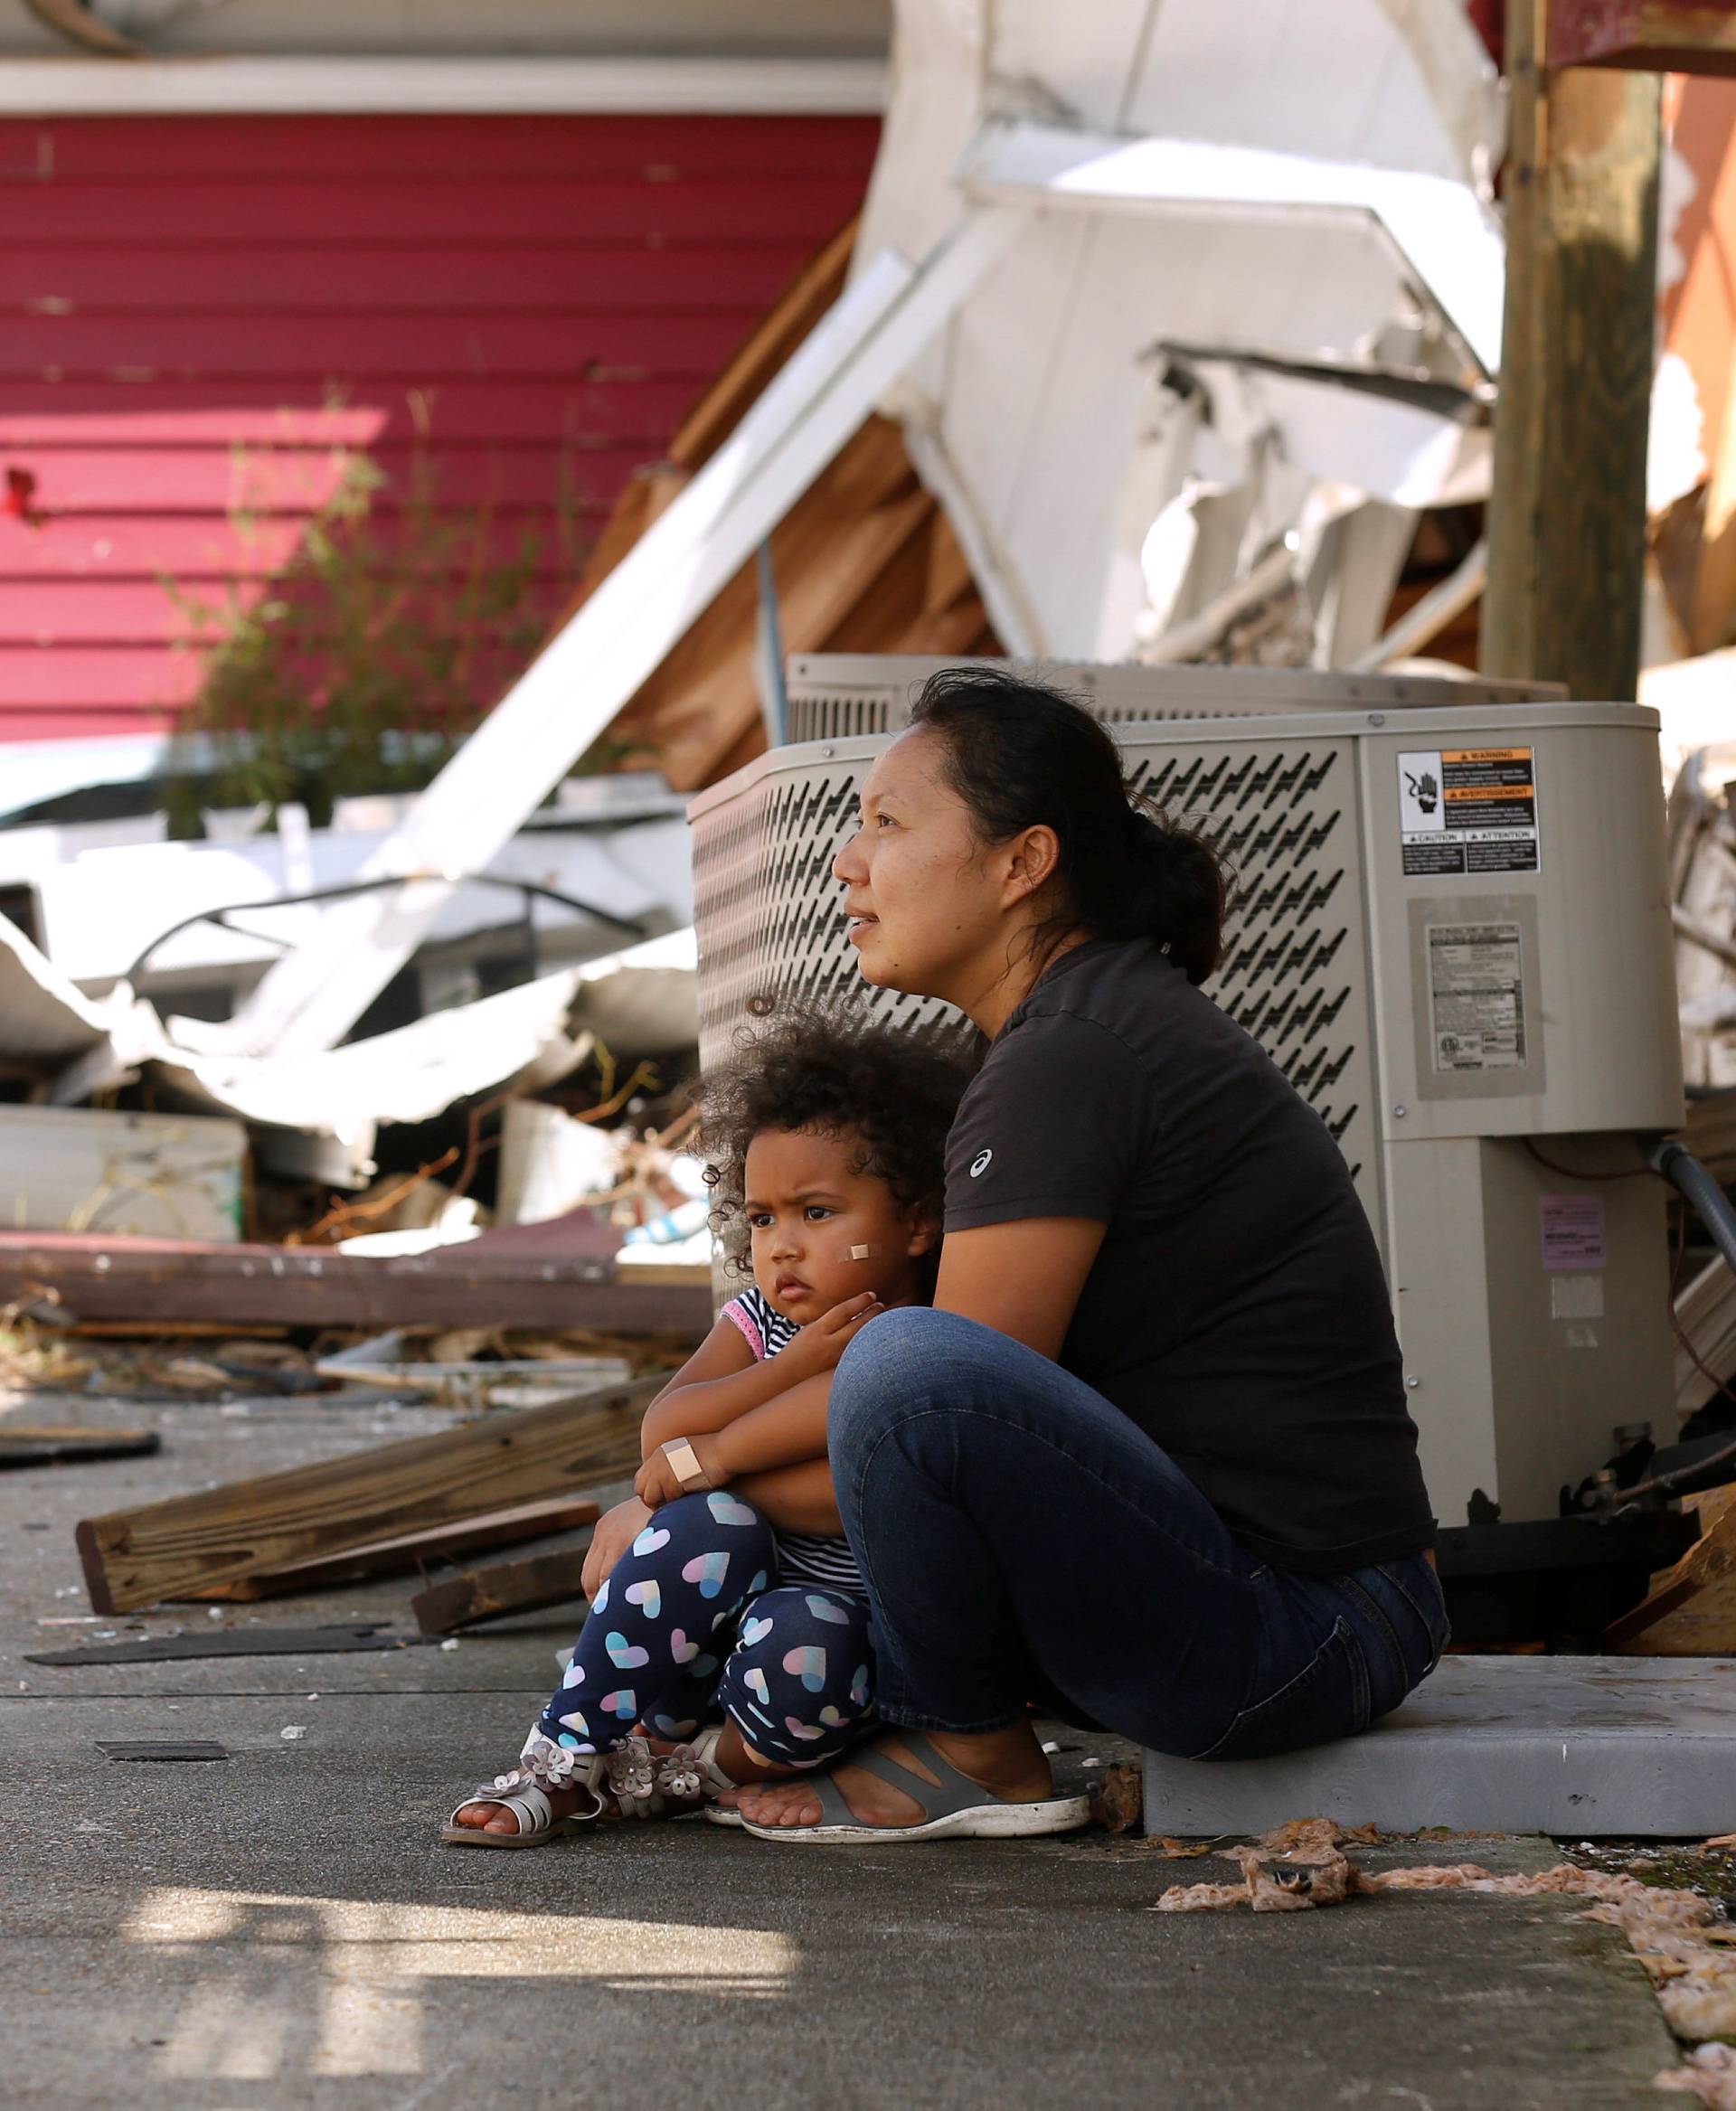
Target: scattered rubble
[[1685, 1944]]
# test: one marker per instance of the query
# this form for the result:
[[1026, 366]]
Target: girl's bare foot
[[1008, 1763]]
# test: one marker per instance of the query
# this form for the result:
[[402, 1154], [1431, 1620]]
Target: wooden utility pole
[[1567, 516]]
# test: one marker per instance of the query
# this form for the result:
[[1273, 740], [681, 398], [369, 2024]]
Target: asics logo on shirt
[[979, 1164]]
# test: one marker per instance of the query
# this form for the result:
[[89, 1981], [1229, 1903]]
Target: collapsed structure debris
[[1690, 1609], [415, 1551], [500, 1591], [193, 1544], [499, 1279]]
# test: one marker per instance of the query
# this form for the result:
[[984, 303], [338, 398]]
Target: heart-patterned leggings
[[693, 1625]]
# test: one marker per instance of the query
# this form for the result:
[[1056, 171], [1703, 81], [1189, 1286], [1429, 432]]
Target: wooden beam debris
[[189, 1545], [497, 1592], [35, 1445], [1690, 1609], [171, 1282], [443, 1543]]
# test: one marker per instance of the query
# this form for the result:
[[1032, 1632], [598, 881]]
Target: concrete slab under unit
[[1568, 1744]]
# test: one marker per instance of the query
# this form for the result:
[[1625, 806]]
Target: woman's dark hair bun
[[1022, 755]]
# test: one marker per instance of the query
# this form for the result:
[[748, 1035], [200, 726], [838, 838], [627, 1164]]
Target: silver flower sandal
[[517, 1791], [637, 1782]]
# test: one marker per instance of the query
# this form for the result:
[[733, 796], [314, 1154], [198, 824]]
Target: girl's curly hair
[[893, 1091]]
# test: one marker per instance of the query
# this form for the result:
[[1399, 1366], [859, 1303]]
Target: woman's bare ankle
[[1011, 1761]]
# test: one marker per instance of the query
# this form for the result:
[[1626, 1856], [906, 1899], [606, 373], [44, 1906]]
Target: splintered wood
[[1690, 1609], [1678, 1937]]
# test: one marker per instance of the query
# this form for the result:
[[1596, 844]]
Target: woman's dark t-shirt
[[1237, 1309]]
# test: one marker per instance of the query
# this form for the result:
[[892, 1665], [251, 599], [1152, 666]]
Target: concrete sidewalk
[[281, 1928]]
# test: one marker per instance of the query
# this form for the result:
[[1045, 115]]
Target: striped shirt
[[804, 1557]]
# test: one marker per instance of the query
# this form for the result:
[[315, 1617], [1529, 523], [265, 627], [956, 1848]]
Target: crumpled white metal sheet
[[1297, 179]]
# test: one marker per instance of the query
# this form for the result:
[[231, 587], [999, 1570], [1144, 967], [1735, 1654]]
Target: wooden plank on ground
[[500, 1590], [28, 1444], [191, 1543], [170, 1283], [444, 1542]]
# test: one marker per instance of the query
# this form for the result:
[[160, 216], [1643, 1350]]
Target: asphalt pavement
[[282, 1928]]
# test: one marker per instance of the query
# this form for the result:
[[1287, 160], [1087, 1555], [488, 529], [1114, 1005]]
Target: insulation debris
[[1306, 1840], [1327, 1880], [1117, 1800], [1686, 1949], [1709, 2074]]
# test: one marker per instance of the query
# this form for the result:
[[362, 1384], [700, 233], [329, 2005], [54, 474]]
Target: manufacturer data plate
[[1469, 810], [1477, 996]]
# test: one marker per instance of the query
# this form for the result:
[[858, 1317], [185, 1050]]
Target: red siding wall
[[196, 313]]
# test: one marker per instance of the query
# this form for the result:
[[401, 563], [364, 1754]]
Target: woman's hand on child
[[613, 1533], [820, 1344], [656, 1483]]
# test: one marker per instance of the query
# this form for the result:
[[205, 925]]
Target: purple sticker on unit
[[1573, 1236]]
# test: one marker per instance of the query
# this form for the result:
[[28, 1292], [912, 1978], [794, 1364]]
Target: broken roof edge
[[1442, 230]]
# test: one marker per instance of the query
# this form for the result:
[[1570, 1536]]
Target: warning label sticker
[[1476, 998], [1469, 810]]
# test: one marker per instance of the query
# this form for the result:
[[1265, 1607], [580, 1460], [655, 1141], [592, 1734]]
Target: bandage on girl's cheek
[[863, 1253]]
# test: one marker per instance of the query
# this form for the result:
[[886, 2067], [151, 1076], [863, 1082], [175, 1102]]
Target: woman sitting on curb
[[1147, 1459]]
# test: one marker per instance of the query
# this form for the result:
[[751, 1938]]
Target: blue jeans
[[1022, 1540]]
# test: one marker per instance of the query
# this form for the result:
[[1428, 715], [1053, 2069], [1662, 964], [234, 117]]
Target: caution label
[[1469, 810]]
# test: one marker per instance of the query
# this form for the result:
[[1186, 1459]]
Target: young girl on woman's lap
[[721, 1646]]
